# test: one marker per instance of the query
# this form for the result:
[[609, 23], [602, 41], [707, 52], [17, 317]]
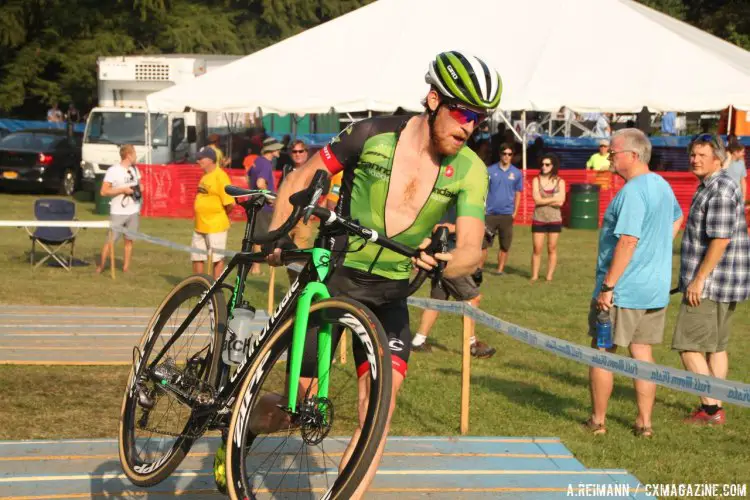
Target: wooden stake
[[271, 289], [342, 342], [112, 253], [466, 373]]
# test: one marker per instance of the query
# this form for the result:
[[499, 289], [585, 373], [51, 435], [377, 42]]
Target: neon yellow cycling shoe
[[220, 468]]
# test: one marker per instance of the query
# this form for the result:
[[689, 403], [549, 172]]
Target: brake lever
[[439, 245], [311, 207]]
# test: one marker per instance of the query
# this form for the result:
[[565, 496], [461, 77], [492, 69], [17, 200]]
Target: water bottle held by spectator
[[603, 330]]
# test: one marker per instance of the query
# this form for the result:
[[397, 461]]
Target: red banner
[[170, 189]]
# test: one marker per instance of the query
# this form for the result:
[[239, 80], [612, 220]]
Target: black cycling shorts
[[376, 293]]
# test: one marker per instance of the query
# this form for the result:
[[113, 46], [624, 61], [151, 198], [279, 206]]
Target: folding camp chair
[[54, 239]]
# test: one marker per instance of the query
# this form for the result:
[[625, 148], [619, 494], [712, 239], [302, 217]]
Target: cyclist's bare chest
[[411, 183]]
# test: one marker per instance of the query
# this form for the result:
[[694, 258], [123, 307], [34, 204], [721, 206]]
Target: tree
[[48, 54]]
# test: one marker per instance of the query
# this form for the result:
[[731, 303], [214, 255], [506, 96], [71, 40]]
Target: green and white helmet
[[465, 78]]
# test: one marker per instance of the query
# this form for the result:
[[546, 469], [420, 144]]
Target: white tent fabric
[[588, 55]]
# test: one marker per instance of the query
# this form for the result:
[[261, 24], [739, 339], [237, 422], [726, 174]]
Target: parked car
[[44, 159]]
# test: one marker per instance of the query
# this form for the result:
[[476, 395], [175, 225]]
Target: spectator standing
[[73, 114], [261, 177], [503, 200], [122, 183], [714, 271], [599, 161], [737, 169], [633, 272], [54, 114], [212, 207], [669, 124], [548, 190], [213, 143], [301, 234]]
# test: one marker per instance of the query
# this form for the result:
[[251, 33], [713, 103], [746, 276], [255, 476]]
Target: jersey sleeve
[[472, 197], [344, 149]]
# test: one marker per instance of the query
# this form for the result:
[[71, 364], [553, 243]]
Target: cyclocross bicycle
[[180, 387]]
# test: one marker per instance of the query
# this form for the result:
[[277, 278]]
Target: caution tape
[[729, 391]]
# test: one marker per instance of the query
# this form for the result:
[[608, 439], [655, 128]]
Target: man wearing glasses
[[503, 200], [401, 174], [599, 161], [714, 271], [633, 272]]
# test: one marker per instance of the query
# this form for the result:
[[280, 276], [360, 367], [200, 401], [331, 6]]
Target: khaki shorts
[[502, 226], [463, 289], [632, 326], [704, 328], [204, 241], [129, 222]]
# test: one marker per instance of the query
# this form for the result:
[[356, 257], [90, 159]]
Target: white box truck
[[120, 117]]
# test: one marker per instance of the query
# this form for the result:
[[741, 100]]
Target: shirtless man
[[400, 176]]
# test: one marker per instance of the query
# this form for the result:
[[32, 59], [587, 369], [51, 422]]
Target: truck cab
[[122, 117]]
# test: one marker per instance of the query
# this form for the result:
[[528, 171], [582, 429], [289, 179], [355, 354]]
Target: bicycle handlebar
[[304, 204]]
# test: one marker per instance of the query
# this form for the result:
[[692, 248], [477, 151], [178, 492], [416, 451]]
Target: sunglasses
[[465, 115], [507, 154], [711, 139], [546, 164], [298, 151]]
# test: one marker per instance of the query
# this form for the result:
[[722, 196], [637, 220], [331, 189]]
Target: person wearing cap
[[260, 176], [599, 161], [212, 207], [213, 143]]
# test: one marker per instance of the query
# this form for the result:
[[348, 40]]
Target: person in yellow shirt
[[333, 192], [599, 161], [212, 206]]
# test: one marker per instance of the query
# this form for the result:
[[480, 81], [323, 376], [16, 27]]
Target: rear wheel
[[69, 182], [157, 427], [304, 455]]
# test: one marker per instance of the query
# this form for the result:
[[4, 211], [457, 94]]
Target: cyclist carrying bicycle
[[400, 176]]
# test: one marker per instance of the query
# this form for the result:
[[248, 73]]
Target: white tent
[[588, 55]]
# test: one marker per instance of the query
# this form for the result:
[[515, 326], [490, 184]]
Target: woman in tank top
[[549, 196]]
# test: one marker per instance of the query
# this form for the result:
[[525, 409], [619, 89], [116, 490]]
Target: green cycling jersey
[[364, 151]]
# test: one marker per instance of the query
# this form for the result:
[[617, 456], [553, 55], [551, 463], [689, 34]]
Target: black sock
[[711, 409]]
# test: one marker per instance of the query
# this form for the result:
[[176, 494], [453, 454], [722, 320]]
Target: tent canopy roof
[[588, 55]]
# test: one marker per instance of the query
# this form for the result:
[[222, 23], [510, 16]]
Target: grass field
[[519, 392]]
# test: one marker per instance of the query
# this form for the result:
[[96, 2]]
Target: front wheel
[[318, 452], [157, 428]]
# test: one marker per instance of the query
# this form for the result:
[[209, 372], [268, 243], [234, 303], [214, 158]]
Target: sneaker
[[482, 350], [423, 347], [700, 417], [220, 469]]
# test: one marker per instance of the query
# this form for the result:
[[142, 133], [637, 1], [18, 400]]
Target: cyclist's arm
[[468, 252], [296, 181], [470, 209]]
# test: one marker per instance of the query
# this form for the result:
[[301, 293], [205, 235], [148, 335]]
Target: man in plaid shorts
[[714, 271]]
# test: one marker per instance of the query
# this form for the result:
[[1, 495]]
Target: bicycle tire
[[360, 320], [143, 473]]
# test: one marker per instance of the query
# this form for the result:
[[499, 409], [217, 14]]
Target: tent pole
[[523, 149], [550, 124], [729, 121]]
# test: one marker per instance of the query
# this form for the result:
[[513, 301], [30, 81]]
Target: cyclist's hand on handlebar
[[426, 261], [274, 258]]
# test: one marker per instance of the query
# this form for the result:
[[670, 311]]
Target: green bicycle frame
[[313, 291]]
